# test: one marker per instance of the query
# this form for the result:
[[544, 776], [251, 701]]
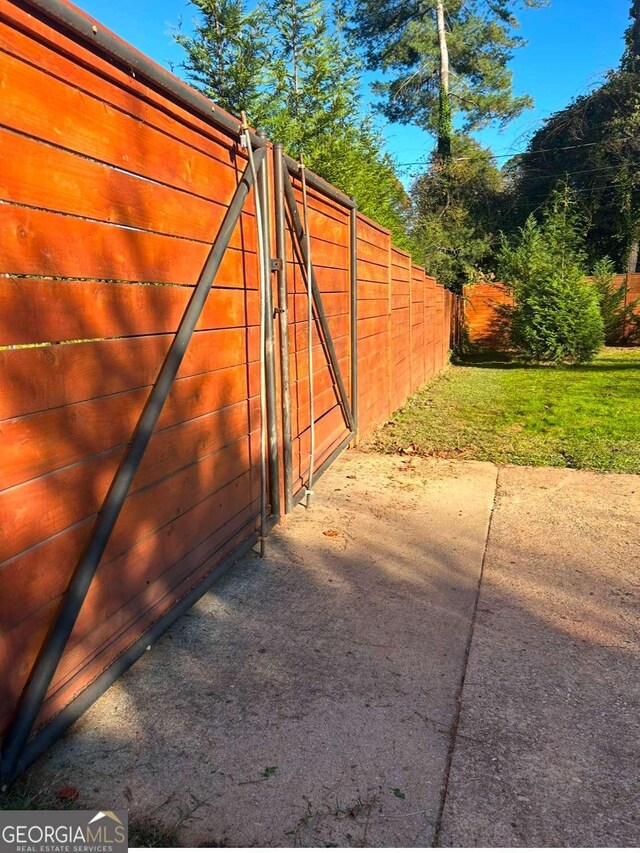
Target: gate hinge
[[276, 265]]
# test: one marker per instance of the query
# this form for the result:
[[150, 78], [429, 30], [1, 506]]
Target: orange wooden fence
[[484, 320], [112, 192], [482, 313], [631, 284], [404, 323]]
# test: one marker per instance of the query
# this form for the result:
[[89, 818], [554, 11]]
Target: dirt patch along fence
[[116, 183]]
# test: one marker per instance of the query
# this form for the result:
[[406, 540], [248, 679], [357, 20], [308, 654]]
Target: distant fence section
[[117, 184], [484, 303], [405, 325], [631, 285], [483, 321]]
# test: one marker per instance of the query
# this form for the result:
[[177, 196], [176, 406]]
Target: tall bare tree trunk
[[632, 262], [444, 121]]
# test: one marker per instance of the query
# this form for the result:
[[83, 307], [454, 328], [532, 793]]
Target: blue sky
[[571, 45]]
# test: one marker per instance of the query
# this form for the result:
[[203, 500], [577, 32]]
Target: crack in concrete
[[460, 691]]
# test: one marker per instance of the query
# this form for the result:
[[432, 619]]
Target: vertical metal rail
[[310, 324], [263, 277], [317, 299], [272, 417], [353, 284], [35, 690], [283, 318]]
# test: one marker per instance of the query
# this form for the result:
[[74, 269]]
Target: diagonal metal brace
[[317, 300], [35, 691]]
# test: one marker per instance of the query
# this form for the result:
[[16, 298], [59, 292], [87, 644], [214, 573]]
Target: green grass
[[583, 416]]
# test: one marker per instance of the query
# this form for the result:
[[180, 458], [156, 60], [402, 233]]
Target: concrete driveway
[[353, 688]]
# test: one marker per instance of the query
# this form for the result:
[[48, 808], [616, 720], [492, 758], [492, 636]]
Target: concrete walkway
[[547, 752], [315, 698]]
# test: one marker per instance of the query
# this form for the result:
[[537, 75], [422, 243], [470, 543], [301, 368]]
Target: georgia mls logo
[[63, 832]]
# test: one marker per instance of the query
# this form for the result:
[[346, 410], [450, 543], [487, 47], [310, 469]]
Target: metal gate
[[317, 304]]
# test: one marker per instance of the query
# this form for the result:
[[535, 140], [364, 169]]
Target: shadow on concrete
[[310, 698]]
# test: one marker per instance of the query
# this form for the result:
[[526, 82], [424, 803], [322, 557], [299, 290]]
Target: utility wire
[[583, 190], [514, 154], [569, 174]]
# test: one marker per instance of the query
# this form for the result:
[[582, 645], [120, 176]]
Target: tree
[[594, 145], [443, 59], [227, 56], [302, 90], [315, 89], [454, 211], [556, 314]]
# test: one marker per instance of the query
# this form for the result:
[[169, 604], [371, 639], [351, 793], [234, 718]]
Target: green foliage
[[556, 315], [401, 39], [454, 209], [593, 145], [226, 56], [314, 86], [351, 159], [292, 66], [611, 299]]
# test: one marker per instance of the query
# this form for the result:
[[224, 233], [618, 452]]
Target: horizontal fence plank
[[111, 195], [26, 36], [372, 253], [38, 242], [53, 438], [39, 310], [41, 105], [144, 512], [334, 304], [45, 378], [46, 505], [369, 272]]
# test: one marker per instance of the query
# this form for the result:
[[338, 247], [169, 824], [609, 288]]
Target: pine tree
[[315, 89], [556, 315], [303, 91], [227, 56], [444, 58]]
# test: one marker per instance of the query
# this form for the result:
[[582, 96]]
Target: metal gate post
[[353, 283], [283, 317], [35, 691], [272, 417]]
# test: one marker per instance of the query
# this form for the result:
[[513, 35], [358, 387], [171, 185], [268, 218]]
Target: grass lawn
[[585, 416]]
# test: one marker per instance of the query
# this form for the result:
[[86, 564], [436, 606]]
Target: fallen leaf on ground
[[68, 794]]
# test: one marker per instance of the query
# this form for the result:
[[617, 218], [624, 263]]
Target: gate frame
[[284, 168], [19, 749], [23, 741]]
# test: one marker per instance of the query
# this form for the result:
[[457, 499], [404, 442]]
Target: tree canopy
[[443, 60], [454, 213], [593, 145], [293, 67]]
